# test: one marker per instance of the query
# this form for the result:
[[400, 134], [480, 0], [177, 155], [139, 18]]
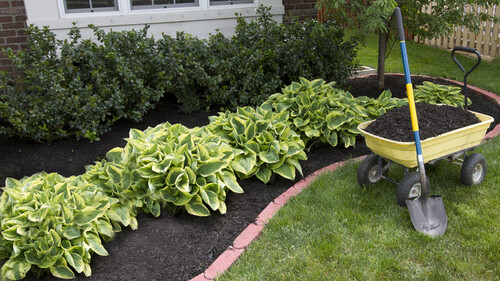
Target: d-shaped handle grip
[[468, 50]]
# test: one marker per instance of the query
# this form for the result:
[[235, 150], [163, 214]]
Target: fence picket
[[487, 35], [495, 39], [486, 41]]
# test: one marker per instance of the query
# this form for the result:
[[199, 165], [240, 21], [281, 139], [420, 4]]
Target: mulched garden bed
[[433, 120], [181, 247]]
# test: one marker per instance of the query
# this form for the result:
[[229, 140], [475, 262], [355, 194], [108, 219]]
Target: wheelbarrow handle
[[467, 50]]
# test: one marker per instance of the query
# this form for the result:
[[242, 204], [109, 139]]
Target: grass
[[337, 230], [427, 60]]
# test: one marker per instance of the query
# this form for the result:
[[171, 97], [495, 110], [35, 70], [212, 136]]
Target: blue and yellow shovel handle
[[409, 92]]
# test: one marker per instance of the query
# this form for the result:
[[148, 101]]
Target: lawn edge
[[253, 230]]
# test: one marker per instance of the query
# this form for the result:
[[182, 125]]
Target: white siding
[[199, 21]]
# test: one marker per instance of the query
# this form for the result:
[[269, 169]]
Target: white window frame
[[229, 2], [164, 6], [90, 10], [124, 7], [200, 21]]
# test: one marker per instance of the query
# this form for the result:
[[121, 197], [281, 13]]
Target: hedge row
[[79, 87]]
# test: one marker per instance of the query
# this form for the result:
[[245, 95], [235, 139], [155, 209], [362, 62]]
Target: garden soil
[[433, 120], [183, 246]]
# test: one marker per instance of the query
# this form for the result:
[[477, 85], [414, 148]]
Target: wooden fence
[[486, 41]]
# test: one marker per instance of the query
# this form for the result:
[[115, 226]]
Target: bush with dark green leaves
[[79, 87], [185, 59], [264, 55]]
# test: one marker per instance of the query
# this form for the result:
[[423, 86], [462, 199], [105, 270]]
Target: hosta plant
[[263, 141], [169, 166], [52, 223], [320, 112], [440, 94], [382, 104]]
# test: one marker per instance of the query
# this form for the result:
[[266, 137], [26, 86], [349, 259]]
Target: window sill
[[153, 16]]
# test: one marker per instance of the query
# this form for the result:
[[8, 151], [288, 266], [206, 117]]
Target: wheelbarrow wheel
[[411, 188], [367, 170], [473, 170]]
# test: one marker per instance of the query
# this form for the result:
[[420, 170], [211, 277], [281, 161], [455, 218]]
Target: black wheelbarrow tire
[[473, 169], [367, 170], [410, 187]]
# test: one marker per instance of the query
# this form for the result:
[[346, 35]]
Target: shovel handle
[[411, 100]]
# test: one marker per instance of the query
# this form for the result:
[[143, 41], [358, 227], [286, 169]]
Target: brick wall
[[12, 25], [301, 9]]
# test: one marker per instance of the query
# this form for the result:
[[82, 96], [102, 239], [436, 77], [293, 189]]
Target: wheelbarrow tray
[[404, 153]]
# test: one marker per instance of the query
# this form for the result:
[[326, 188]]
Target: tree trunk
[[382, 48]]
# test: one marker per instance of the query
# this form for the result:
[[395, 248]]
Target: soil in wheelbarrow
[[433, 120], [180, 247]]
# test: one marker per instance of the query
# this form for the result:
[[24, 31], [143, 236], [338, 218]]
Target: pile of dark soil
[[181, 247], [433, 120]]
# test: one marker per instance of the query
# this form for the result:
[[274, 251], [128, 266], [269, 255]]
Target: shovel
[[427, 214]]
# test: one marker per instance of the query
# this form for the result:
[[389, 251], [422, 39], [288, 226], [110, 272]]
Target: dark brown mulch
[[181, 247], [433, 120]]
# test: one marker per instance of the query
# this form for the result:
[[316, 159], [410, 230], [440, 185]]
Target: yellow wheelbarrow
[[427, 213]]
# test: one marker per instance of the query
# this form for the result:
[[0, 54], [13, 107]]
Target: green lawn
[[432, 61], [337, 230]]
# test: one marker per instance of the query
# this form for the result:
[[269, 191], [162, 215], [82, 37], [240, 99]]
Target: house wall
[[12, 24], [199, 21]]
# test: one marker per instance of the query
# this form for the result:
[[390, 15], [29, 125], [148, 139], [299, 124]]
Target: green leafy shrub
[[169, 166], [80, 87], [316, 50], [251, 60], [263, 140], [185, 59], [83, 89], [49, 222], [126, 59], [263, 56], [439, 94]]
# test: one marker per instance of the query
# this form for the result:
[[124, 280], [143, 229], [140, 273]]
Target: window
[[81, 6], [90, 6], [152, 4], [229, 2]]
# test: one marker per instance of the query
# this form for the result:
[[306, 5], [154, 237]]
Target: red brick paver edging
[[253, 230]]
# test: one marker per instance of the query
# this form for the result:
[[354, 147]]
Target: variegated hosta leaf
[[49, 221], [165, 164], [320, 112], [439, 94], [262, 137]]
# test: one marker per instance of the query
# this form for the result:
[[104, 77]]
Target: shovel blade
[[428, 215]]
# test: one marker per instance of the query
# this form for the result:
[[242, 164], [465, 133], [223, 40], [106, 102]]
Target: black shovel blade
[[428, 215]]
